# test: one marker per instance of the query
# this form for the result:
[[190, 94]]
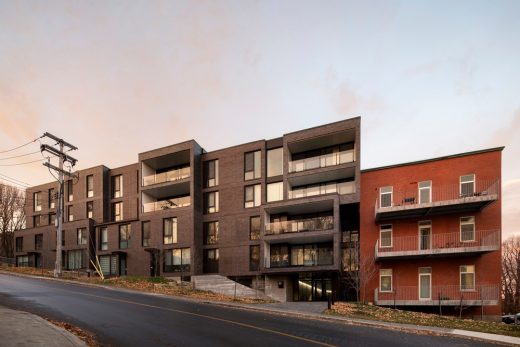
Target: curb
[[418, 329]]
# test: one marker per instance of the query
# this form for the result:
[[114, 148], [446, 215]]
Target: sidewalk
[[24, 329]]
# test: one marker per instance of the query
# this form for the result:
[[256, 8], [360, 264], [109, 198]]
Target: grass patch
[[371, 312]]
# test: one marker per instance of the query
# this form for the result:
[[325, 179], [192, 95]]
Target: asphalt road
[[122, 318]]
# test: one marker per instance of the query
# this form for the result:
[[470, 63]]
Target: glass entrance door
[[313, 287], [425, 283]]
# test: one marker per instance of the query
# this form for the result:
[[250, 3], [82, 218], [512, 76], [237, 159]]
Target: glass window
[[425, 192], [22, 261], [82, 236], [117, 211], [90, 209], [36, 221], [63, 237], [350, 259], [310, 257], [254, 228], [252, 196], [103, 238], [467, 277], [274, 191], [75, 260], [70, 190], [210, 260], [467, 229], [52, 218], [52, 198], [254, 258], [70, 213], [386, 235], [124, 236], [169, 231], [297, 256], [252, 165], [90, 186], [275, 162], [211, 233], [19, 244], [279, 256], [385, 280], [467, 185], [211, 173], [37, 200], [211, 202], [145, 234], [385, 195], [325, 254], [117, 186]]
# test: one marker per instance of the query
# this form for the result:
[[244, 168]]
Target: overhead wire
[[25, 144], [18, 156]]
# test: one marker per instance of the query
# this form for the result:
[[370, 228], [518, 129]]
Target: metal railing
[[324, 160], [437, 193], [340, 188], [440, 292], [453, 240], [168, 176], [166, 204], [300, 225]]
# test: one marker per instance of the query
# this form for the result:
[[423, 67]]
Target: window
[[210, 233], [467, 185], [90, 209], [37, 200], [467, 277], [385, 280], [108, 264], [211, 173], [90, 186], [310, 255], [425, 234], [169, 231], [70, 190], [211, 202], [279, 256], [254, 258], [19, 244], [275, 162], [274, 191], [177, 259], [63, 237], [22, 261], [52, 198], [254, 228], [252, 196], [467, 229], [385, 236], [425, 192], [37, 221], [70, 213], [103, 238], [385, 196], [52, 218], [117, 186], [350, 257], [252, 165], [117, 211], [145, 234], [210, 260], [38, 241], [75, 260], [124, 236], [82, 236]]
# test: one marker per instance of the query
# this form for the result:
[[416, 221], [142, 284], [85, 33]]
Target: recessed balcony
[[324, 188], [300, 225], [320, 161], [168, 176], [438, 245], [167, 204]]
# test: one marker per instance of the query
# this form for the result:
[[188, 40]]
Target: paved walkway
[[316, 307], [24, 329]]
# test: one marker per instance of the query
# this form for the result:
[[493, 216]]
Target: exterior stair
[[223, 285]]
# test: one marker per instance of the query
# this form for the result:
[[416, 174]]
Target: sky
[[116, 78]]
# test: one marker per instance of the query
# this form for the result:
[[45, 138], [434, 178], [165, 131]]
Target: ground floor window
[[210, 261], [22, 261], [108, 264], [177, 259], [385, 280], [76, 260]]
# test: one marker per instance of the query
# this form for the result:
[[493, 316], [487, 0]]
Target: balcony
[[320, 161], [321, 189], [437, 200], [168, 176], [438, 245], [167, 204], [447, 295], [300, 225]]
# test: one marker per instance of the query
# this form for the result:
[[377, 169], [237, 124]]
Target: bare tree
[[12, 217], [511, 275], [358, 280]]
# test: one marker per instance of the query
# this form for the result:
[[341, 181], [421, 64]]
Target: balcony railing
[[166, 204], [340, 188], [331, 159], [168, 176], [439, 244], [450, 295], [300, 225]]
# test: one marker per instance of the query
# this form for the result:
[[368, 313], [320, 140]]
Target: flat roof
[[458, 155]]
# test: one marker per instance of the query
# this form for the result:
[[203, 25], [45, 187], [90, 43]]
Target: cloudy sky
[[121, 77]]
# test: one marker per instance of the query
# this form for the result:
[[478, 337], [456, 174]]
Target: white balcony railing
[[168, 176], [331, 159], [300, 225], [166, 204], [340, 188]]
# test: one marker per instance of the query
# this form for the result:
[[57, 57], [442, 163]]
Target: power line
[[14, 179], [25, 144], [28, 162], [18, 156]]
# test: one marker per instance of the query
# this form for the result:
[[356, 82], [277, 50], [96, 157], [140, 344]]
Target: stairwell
[[223, 285]]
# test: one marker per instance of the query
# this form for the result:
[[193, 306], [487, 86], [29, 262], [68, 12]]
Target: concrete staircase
[[223, 285]]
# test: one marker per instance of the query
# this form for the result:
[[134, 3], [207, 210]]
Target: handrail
[[441, 292], [340, 188], [168, 176], [300, 225], [167, 204], [324, 160]]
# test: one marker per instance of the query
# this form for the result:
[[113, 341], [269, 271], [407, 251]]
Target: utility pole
[[61, 173]]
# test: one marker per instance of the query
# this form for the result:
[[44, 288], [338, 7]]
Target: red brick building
[[433, 230]]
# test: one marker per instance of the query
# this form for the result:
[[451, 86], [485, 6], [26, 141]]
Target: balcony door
[[425, 235], [425, 283]]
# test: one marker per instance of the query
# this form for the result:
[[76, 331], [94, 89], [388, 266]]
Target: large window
[[254, 228], [385, 196], [81, 236], [52, 198], [37, 200], [90, 186], [22, 261], [211, 173], [274, 191], [385, 280], [350, 259], [211, 260], [252, 167], [145, 234], [211, 202], [38, 242], [467, 229], [177, 259], [117, 211], [311, 255], [279, 255], [211, 233], [70, 190], [70, 213], [425, 192], [467, 277], [108, 264], [75, 260], [275, 162], [254, 258], [19, 244], [385, 235], [252, 196], [37, 221], [467, 185], [90, 209], [169, 231], [124, 236], [117, 186], [103, 238]]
